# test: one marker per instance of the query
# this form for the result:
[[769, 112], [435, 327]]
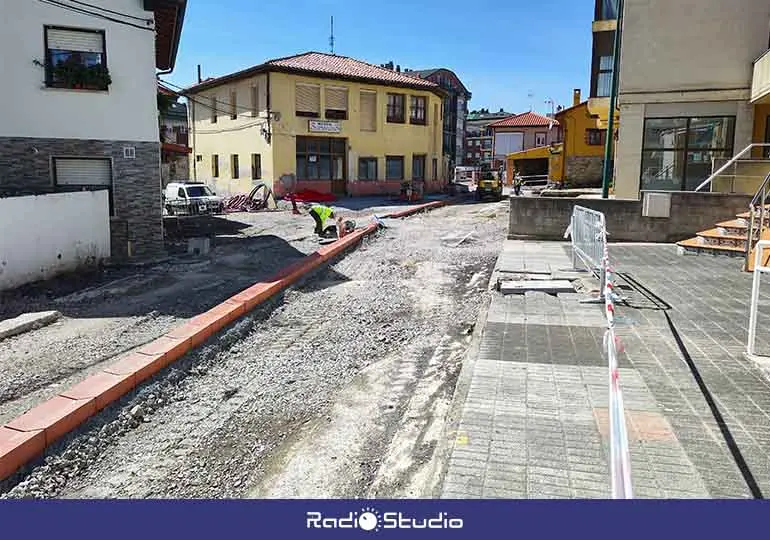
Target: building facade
[[689, 100], [80, 108], [174, 139], [521, 132], [602, 57], [581, 143], [336, 124], [478, 137], [455, 109]]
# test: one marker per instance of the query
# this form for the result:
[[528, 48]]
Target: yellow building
[[339, 125], [583, 137]]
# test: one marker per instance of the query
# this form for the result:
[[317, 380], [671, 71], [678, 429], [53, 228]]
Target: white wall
[[691, 44], [51, 234], [127, 111]]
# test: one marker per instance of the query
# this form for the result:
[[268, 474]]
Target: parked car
[[191, 199]]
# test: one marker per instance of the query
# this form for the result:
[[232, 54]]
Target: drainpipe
[[609, 144], [191, 108]]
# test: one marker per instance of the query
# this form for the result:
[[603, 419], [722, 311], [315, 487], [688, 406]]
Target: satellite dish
[[289, 182]]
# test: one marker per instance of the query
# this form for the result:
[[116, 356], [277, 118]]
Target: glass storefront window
[[678, 153], [320, 158]]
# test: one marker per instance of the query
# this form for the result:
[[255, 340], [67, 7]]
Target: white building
[[685, 90], [79, 105]]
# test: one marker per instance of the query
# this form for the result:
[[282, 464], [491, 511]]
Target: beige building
[[337, 124], [685, 91]]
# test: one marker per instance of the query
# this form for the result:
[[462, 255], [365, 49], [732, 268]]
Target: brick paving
[[534, 420]]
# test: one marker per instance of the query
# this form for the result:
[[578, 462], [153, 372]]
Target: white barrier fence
[[44, 235], [588, 232], [759, 269]]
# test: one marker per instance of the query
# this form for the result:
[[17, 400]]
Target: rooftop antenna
[[331, 37], [530, 95]]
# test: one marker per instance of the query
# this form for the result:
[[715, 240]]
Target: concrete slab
[[26, 322], [546, 286]]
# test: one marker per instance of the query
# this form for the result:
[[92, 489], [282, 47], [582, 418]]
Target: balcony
[[174, 135], [760, 84]]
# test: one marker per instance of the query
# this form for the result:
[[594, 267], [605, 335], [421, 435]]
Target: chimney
[[398, 69], [576, 97], [199, 74]]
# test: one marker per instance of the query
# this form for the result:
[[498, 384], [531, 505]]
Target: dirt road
[[339, 388]]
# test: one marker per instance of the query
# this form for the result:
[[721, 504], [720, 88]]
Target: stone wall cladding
[[584, 171], [25, 169]]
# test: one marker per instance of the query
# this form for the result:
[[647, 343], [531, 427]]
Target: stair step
[[697, 246], [735, 227], [747, 216], [717, 237]]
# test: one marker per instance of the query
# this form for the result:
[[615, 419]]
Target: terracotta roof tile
[[316, 63], [527, 119], [329, 64]]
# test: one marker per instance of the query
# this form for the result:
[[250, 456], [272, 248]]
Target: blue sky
[[501, 50]]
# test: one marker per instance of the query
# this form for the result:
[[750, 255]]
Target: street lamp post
[[610, 138]]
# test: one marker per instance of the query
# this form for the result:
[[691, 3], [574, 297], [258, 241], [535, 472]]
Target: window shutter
[[337, 98], [74, 40], [83, 172], [368, 111], [255, 100], [308, 98]]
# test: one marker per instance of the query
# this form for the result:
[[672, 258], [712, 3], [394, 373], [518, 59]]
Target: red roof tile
[[329, 65], [527, 119]]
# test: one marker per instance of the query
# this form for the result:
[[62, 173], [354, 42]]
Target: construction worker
[[320, 214]]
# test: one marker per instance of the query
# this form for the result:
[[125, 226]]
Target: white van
[[190, 199]]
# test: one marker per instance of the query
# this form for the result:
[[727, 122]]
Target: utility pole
[[610, 142]]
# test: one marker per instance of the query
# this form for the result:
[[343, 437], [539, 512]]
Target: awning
[[541, 152], [175, 148]]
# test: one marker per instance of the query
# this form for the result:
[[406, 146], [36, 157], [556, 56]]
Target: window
[[394, 168], [181, 193], [254, 101], [215, 166], [418, 167], [84, 174], [75, 59], [607, 10], [256, 167], [367, 168], [308, 100], [540, 139], [320, 158], [677, 153], [199, 158], [233, 105], [417, 110], [234, 166], [336, 103], [198, 191], [435, 168], [368, 111], [478, 143], [213, 106], [396, 108], [596, 137], [604, 80]]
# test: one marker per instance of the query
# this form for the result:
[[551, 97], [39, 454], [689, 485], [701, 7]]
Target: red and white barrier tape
[[620, 459]]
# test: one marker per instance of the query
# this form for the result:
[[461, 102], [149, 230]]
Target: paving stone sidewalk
[[533, 423]]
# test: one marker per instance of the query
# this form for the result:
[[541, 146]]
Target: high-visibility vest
[[322, 212]]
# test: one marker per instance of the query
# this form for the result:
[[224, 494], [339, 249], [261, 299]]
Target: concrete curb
[[26, 322], [26, 437]]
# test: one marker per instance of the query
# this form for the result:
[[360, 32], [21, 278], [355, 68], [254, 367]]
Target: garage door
[[506, 143], [83, 172]]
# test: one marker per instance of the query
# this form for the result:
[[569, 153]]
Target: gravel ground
[[116, 309], [338, 388]]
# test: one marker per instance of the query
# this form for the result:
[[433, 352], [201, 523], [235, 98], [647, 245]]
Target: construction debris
[[26, 322]]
